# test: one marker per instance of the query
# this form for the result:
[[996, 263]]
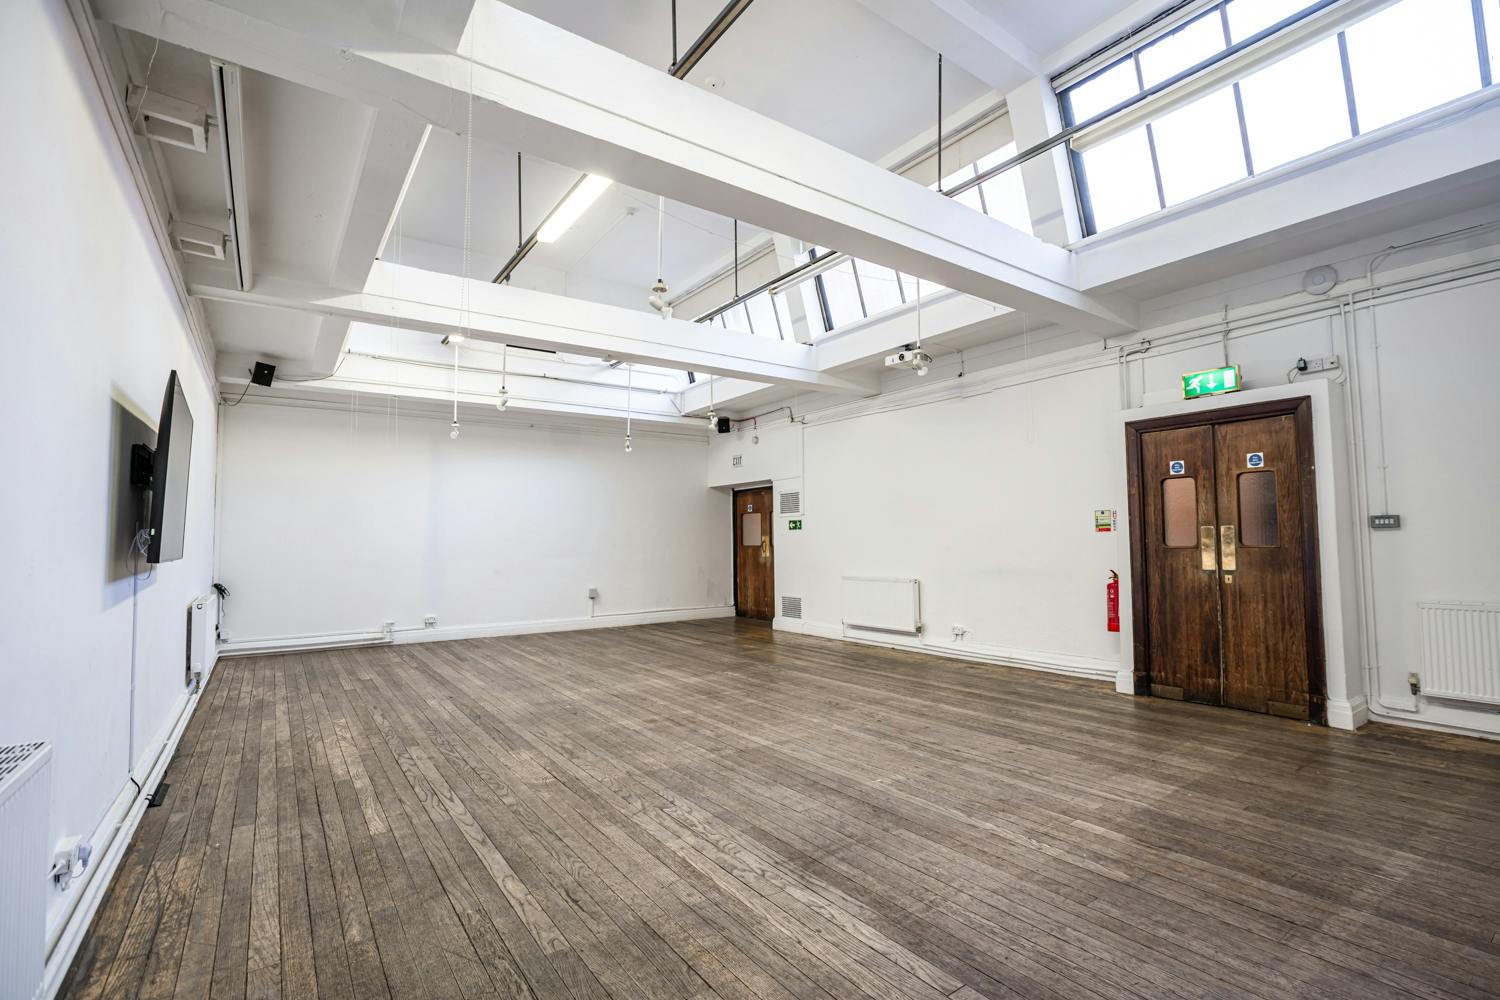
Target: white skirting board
[[1088, 667], [110, 840], [402, 636]]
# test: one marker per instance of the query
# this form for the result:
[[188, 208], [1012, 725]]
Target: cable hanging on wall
[[629, 384]]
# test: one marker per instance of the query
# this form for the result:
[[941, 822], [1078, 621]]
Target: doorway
[[1224, 565], [754, 575]]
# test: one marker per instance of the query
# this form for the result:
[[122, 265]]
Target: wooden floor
[[711, 809]]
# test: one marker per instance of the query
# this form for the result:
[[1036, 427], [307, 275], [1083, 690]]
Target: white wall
[[335, 523], [984, 487], [91, 329]]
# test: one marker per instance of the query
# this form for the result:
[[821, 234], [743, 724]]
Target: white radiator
[[25, 802], [202, 637], [1461, 651], [883, 604]]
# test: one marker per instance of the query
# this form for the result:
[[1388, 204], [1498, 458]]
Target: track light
[[504, 399], [584, 193], [712, 416], [453, 434], [627, 443]]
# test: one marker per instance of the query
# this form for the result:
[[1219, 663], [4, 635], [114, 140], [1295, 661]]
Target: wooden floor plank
[[715, 811]]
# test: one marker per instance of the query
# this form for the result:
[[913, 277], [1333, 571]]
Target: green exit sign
[[1211, 382], [794, 525]]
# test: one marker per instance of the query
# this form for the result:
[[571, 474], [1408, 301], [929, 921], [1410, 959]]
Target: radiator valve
[[1415, 683]]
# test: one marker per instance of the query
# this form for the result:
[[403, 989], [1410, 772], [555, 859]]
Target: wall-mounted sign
[[795, 524], [1256, 459], [1176, 467], [1211, 382], [737, 461], [1104, 520]]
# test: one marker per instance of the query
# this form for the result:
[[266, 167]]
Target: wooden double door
[[1224, 548], [754, 566]]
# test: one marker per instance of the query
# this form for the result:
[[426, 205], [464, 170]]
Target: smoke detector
[[1320, 280]]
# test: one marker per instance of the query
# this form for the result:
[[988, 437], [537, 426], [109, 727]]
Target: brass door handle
[[1226, 546], [1206, 553]]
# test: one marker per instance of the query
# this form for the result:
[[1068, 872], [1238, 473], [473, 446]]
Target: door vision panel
[[1225, 560]]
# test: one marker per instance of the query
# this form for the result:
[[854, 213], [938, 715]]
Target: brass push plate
[[1206, 553], [1226, 547]]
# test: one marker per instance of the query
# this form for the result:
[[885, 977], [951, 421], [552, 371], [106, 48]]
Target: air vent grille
[[14, 755], [791, 607], [791, 502]]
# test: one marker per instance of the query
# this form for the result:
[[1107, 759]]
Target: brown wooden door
[[1183, 588], [1264, 566], [1229, 553], [754, 576]]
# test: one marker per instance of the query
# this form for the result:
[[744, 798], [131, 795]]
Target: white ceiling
[[1047, 25]]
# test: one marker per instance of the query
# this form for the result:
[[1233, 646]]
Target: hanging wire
[[629, 384], [468, 236]]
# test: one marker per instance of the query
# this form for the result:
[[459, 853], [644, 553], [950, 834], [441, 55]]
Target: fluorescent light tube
[[584, 194]]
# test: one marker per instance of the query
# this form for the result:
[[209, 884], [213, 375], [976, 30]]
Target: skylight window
[[1364, 75]]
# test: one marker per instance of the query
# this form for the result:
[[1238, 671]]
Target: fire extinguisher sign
[[1104, 520]]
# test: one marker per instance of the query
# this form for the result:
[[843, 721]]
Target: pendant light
[[629, 382], [504, 393], [712, 417]]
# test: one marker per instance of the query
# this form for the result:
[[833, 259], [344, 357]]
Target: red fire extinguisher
[[1112, 601]]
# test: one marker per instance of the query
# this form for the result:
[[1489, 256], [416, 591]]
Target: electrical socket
[[593, 593], [1320, 364], [959, 632], [70, 852]]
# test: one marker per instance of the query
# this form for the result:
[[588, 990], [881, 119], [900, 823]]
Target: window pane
[[1492, 37], [1005, 196], [750, 529], [842, 295], [1121, 181], [737, 319], [1258, 527], [1186, 46], [1179, 504], [909, 287], [879, 285], [1297, 106], [1104, 91], [783, 315], [763, 316], [1199, 147], [1409, 57], [1246, 17]]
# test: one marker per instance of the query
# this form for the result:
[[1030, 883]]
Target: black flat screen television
[[169, 475]]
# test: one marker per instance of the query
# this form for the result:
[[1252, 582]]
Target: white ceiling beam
[[965, 34], [393, 146], [586, 106], [426, 300]]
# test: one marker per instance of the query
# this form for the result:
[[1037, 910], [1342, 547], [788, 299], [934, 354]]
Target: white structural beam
[[571, 101], [425, 300], [393, 146], [965, 34]]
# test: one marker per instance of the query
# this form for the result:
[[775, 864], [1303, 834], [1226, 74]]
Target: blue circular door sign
[[1177, 467], [1255, 459]]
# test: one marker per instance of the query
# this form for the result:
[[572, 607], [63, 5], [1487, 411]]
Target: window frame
[[1065, 85]]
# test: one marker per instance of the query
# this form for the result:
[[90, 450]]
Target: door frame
[[1300, 409], [734, 539]]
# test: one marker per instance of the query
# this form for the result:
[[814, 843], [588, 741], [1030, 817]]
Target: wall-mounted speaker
[[723, 425], [263, 374]]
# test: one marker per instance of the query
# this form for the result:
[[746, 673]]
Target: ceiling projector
[[914, 358]]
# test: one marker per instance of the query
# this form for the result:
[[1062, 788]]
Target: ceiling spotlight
[[453, 434], [658, 299], [627, 443], [453, 338], [504, 398], [712, 416]]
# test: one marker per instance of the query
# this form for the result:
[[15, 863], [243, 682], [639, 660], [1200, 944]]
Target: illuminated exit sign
[[1211, 382]]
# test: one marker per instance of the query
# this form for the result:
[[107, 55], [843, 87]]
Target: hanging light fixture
[[455, 339], [658, 297], [712, 416], [629, 381], [504, 393]]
